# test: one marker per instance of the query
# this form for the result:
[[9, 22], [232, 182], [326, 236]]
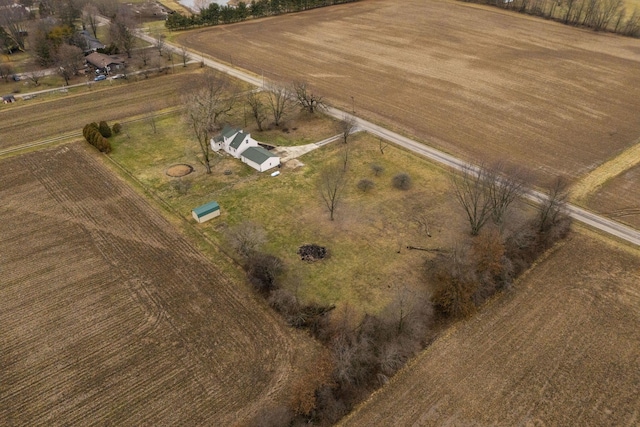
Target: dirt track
[[478, 83], [561, 349], [109, 317]]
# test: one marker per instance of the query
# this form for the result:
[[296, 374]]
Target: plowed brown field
[[109, 317], [480, 83], [34, 120], [562, 349]]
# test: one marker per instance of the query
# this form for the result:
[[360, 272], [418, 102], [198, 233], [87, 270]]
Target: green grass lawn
[[367, 241]]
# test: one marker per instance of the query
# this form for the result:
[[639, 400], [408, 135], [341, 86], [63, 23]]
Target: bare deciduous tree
[[122, 31], [159, 43], [150, 113], [90, 15], [331, 184], [257, 108], [184, 55], [346, 148], [144, 55], [382, 145], [36, 76], [346, 127], [246, 238], [5, 71], [306, 98], [210, 99], [422, 218], [553, 205], [69, 61], [279, 101], [14, 19], [504, 185], [470, 191]]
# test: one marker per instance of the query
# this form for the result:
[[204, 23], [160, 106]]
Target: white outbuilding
[[206, 212], [260, 159]]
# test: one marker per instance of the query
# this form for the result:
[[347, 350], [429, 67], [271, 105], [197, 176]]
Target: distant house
[[91, 44], [105, 63], [240, 145], [8, 99], [206, 212]]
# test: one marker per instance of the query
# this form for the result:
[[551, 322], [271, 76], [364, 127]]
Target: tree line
[[600, 15], [214, 14]]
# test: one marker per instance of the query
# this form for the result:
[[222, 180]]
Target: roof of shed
[[206, 208], [257, 154]]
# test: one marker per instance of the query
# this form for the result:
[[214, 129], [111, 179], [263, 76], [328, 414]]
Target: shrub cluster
[[466, 276], [402, 181], [364, 350], [94, 136]]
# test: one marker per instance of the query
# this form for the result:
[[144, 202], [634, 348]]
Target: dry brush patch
[[557, 99], [109, 316], [561, 349]]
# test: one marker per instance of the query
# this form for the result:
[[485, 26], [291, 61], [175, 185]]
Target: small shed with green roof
[[206, 212]]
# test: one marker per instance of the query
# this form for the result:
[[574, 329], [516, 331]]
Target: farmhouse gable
[[240, 145]]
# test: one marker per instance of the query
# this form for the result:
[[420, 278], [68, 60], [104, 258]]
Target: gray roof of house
[[257, 154], [92, 42], [100, 60], [228, 131], [237, 140]]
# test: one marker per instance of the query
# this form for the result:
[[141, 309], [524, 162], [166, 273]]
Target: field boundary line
[[606, 171]]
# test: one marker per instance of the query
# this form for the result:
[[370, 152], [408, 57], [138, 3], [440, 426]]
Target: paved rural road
[[591, 219]]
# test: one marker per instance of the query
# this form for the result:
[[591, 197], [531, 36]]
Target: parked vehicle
[[100, 77]]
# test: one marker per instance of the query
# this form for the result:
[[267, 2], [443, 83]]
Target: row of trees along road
[[470, 272], [209, 13]]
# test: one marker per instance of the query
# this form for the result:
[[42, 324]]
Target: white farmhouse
[[241, 146]]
